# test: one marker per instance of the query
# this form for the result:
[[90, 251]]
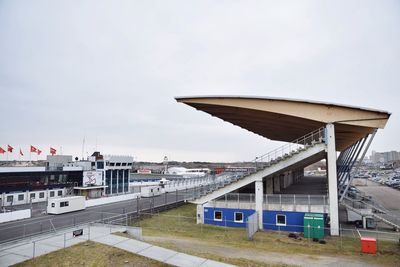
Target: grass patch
[[181, 223], [91, 254]]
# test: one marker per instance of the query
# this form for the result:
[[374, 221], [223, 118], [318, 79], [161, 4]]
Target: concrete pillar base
[[259, 202]]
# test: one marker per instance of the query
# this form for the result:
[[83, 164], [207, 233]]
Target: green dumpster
[[314, 225]]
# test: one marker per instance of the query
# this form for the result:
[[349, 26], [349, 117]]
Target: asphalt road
[[385, 195], [48, 223]]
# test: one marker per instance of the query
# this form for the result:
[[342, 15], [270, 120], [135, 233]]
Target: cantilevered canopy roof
[[285, 120]]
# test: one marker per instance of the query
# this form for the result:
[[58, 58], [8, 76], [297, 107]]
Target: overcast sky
[[109, 71]]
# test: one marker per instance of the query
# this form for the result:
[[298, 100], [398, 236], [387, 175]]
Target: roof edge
[[182, 98]]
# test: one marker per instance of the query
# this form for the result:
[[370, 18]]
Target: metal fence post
[[24, 230], [34, 248], [89, 231], [137, 206], [294, 202], [152, 204], [65, 239], [341, 236]]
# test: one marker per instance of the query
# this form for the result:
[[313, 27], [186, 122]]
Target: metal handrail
[[316, 136]]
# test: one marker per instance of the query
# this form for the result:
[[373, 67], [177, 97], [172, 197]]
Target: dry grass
[[181, 223], [91, 254]]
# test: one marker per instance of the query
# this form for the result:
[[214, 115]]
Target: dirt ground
[[262, 256]]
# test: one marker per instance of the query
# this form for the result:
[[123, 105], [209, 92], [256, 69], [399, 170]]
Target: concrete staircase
[[383, 217], [303, 155]]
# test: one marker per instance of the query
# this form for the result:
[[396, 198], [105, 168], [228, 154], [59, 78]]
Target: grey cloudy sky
[[109, 70]]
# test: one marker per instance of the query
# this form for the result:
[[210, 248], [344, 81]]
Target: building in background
[[384, 157], [95, 177]]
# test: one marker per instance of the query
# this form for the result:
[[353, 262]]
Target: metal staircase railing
[[264, 161], [294, 147], [377, 212]]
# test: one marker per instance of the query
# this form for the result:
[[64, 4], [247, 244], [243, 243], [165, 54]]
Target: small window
[[53, 205], [281, 220], [151, 190], [32, 196], [217, 215], [118, 164], [239, 217], [41, 195], [10, 198], [112, 164], [129, 164], [100, 165], [59, 193], [51, 193], [64, 204], [123, 163], [20, 197]]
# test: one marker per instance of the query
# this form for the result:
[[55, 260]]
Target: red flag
[[39, 151], [52, 151], [10, 148], [33, 149], [20, 152], [2, 151]]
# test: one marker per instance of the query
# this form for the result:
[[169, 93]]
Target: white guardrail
[[15, 215]]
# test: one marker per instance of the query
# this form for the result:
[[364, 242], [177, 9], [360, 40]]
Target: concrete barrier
[[136, 232], [15, 215], [109, 200]]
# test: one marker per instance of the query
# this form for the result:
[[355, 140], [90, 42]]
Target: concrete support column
[[269, 185], [200, 214], [259, 202], [277, 184], [332, 179]]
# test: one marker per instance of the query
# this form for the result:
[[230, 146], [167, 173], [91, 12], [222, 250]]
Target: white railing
[[295, 146], [276, 199]]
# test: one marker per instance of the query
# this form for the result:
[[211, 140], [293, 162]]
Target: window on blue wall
[[238, 217], [281, 220], [217, 215]]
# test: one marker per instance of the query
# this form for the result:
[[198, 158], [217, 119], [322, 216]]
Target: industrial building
[[277, 190]]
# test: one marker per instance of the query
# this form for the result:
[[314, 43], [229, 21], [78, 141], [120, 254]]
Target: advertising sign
[[91, 178]]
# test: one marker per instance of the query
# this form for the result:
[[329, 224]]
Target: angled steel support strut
[[359, 163]]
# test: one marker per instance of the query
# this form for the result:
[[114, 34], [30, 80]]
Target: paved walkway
[[23, 251], [157, 253]]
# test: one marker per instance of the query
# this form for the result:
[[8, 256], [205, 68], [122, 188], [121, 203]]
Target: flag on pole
[[39, 151], [10, 148], [52, 151], [20, 152], [33, 149], [2, 151]]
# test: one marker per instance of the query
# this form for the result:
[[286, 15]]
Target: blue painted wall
[[227, 216], [294, 220]]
